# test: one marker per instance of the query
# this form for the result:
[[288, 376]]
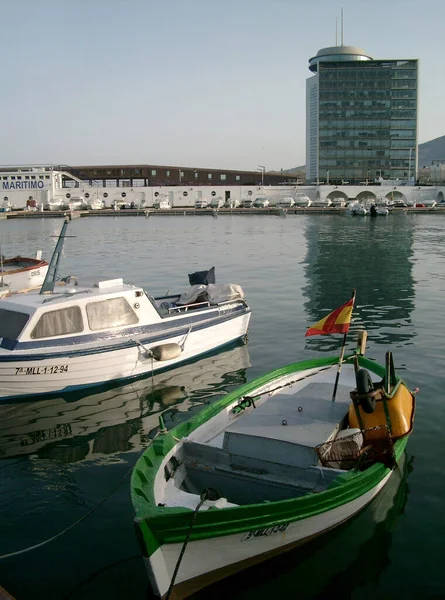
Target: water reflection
[[118, 419], [375, 256], [336, 564]]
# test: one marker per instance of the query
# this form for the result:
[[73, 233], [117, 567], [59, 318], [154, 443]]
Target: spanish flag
[[337, 321]]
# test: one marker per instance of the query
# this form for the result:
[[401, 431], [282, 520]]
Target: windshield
[[12, 323]]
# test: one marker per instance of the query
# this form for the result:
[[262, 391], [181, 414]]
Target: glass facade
[[367, 120]]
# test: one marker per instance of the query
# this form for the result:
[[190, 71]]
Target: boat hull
[[210, 560], [50, 372], [233, 536], [23, 273]]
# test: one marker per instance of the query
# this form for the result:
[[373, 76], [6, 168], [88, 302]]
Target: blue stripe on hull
[[72, 389], [167, 334]]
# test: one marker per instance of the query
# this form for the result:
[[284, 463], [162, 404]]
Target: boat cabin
[[108, 307]]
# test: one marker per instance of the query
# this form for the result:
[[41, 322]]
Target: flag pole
[[342, 353]]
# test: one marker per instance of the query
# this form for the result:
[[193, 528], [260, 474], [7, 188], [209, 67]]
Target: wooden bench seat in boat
[[241, 479]]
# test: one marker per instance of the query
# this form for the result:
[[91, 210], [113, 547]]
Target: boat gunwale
[[171, 524], [37, 264], [100, 342]]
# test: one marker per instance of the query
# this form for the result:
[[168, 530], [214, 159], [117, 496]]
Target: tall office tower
[[361, 117]]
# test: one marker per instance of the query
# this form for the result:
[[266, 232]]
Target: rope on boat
[[206, 494], [54, 537], [73, 525]]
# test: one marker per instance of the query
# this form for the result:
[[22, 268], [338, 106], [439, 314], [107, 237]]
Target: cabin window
[[58, 322], [115, 312], [12, 323]]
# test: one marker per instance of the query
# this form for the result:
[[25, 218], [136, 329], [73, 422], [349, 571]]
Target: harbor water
[[65, 462]]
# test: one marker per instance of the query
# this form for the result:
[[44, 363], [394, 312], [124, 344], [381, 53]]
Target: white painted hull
[[53, 206], [77, 370], [25, 280], [204, 556]]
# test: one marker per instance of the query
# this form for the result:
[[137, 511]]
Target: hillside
[[432, 150]]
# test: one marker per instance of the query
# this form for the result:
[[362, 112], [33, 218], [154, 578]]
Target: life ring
[[365, 391]]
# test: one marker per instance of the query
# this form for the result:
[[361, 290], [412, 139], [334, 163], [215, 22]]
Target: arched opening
[[338, 198], [396, 196], [366, 196]]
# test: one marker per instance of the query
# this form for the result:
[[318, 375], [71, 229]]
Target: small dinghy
[[270, 466], [66, 337], [21, 273]]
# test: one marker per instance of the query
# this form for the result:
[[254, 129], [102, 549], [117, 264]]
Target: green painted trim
[[164, 525]]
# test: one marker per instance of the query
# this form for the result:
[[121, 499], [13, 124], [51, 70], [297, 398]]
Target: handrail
[[187, 306]]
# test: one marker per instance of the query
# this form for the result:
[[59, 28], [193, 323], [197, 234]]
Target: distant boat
[[286, 202], [162, 202], [302, 200], [21, 273]]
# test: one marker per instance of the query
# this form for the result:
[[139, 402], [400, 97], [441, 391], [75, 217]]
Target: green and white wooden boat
[[266, 468]]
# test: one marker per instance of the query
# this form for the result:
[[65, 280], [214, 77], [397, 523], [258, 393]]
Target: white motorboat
[[162, 202], [286, 202], [338, 202], [355, 208], [95, 202], [66, 338], [320, 203], [77, 203], [261, 202], [56, 203], [202, 203], [21, 273], [217, 202], [382, 211], [6, 205], [302, 200]]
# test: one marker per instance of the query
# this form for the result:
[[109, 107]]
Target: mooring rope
[[73, 525]]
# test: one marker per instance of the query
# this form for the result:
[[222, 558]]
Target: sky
[[193, 83]]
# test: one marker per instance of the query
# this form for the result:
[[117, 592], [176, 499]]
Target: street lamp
[[263, 169]]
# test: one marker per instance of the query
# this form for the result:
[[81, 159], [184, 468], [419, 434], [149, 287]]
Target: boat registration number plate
[[49, 370], [266, 531]]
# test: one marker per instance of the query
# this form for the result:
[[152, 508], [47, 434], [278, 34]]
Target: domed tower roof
[[337, 54]]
